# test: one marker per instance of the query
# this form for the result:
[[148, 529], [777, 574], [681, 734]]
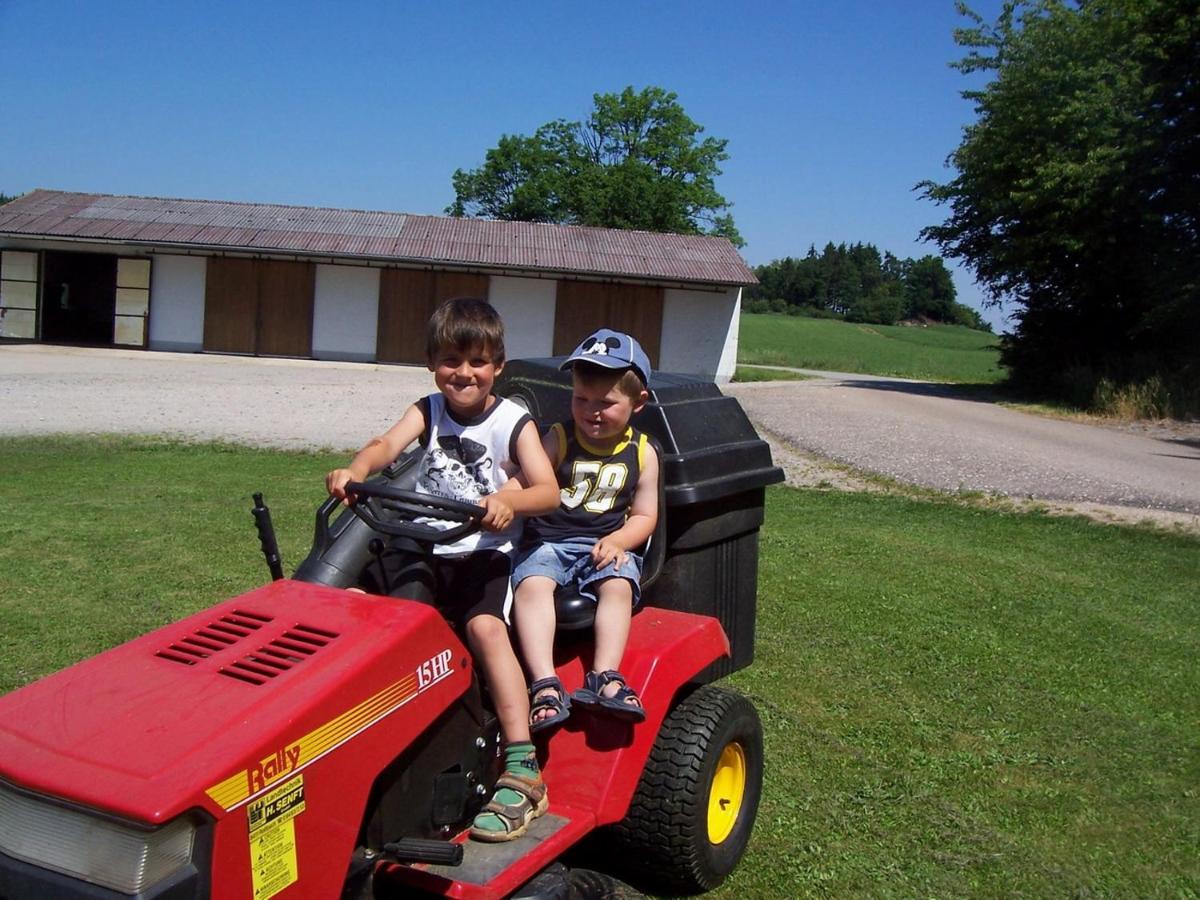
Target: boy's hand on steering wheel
[[336, 481], [499, 513]]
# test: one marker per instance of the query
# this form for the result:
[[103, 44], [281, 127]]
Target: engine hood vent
[[218, 635], [271, 660]]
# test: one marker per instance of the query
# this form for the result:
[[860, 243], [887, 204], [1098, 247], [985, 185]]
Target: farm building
[[261, 279]]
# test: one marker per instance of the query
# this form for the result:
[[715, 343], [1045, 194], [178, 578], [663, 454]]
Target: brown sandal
[[516, 818]]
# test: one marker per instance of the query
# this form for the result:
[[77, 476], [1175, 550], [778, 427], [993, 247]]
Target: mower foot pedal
[[484, 862], [417, 850]]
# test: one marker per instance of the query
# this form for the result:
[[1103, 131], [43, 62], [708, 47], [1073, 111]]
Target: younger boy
[[473, 443], [608, 479]]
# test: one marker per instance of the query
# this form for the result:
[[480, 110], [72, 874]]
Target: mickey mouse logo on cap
[[599, 347], [612, 350]]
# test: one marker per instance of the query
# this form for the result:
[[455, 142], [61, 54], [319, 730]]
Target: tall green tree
[[1078, 186], [853, 281], [638, 161], [929, 289]]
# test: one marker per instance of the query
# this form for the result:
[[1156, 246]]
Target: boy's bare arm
[[539, 493], [642, 519], [533, 491], [378, 452], [550, 445]]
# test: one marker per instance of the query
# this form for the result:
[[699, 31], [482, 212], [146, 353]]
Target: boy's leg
[[487, 636], [535, 620], [614, 609], [521, 795], [604, 688], [538, 573]]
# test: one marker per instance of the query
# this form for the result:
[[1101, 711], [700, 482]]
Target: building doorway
[[79, 296], [259, 306]]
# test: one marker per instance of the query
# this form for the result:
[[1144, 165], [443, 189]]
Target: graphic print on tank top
[[457, 467]]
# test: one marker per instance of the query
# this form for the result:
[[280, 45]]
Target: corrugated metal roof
[[377, 236]]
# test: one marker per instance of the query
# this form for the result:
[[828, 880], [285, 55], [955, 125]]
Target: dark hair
[[464, 323], [628, 382]]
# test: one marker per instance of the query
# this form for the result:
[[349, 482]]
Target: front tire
[[691, 816]]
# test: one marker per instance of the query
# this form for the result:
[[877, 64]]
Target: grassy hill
[[935, 353]]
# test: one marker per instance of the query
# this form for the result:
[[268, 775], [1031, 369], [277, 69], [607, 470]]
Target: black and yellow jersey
[[596, 488]]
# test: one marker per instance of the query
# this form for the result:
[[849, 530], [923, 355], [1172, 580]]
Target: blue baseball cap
[[612, 350]]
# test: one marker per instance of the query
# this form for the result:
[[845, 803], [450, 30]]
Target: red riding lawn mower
[[306, 741]]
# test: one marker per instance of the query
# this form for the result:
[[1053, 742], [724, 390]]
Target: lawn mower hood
[[199, 715]]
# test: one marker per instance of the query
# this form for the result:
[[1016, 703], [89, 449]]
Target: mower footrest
[[497, 869], [416, 850]]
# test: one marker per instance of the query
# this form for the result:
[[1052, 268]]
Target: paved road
[[911, 431]]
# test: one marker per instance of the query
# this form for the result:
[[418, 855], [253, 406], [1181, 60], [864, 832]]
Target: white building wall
[[177, 303], [345, 313], [700, 332], [728, 363], [527, 307]]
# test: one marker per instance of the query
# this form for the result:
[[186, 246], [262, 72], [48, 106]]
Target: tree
[[636, 162], [929, 290], [1078, 186], [856, 283]]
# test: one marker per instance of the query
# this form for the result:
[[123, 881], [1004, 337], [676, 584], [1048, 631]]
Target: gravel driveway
[[920, 433], [913, 432], [286, 403]]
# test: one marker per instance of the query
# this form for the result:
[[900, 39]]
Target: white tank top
[[467, 460]]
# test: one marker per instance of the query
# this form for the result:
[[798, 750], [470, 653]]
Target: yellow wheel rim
[[727, 792]]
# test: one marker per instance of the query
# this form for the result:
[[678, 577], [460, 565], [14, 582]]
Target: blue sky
[[833, 111]]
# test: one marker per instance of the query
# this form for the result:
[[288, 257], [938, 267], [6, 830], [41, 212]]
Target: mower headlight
[[98, 850]]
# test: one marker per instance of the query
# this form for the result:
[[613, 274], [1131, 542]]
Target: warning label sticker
[[273, 838]]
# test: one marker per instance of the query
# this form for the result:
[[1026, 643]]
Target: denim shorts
[[569, 562]]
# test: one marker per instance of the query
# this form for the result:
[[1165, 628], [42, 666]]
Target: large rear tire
[[692, 813]]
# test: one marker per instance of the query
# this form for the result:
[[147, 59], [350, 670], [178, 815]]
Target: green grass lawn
[[969, 703], [106, 538], [935, 353], [957, 702]]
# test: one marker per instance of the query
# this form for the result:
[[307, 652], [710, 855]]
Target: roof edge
[[407, 262], [665, 256]]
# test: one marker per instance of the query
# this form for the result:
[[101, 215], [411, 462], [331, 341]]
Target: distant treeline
[[854, 282]]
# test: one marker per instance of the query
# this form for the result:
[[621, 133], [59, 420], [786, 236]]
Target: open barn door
[[79, 298]]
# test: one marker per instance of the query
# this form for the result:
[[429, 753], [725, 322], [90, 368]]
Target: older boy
[[473, 443], [608, 479]]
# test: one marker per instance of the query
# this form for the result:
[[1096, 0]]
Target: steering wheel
[[393, 511]]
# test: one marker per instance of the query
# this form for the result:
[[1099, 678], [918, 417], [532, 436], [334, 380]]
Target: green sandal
[[514, 817]]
